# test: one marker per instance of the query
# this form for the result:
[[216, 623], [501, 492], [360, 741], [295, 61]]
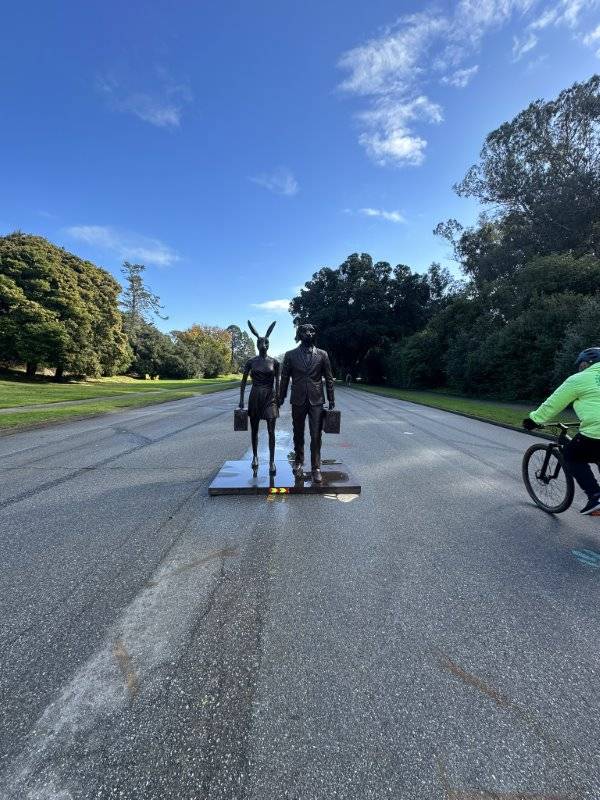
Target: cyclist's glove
[[529, 424]]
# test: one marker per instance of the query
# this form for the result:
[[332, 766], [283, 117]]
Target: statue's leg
[[254, 421], [271, 429], [315, 422], [298, 421]]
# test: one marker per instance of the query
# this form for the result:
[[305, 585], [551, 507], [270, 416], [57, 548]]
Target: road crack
[[125, 663]]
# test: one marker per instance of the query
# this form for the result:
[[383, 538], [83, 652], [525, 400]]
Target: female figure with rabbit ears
[[263, 402]]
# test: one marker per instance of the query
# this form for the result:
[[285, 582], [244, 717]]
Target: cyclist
[[583, 390]]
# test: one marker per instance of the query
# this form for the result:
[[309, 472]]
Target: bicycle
[[545, 474]]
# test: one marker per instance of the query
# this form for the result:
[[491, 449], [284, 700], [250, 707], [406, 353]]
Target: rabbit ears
[[270, 329], [257, 334]]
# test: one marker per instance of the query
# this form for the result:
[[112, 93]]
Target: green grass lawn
[[14, 393], [488, 410], [23, 419]]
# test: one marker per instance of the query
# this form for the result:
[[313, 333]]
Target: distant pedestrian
[[348, 379]]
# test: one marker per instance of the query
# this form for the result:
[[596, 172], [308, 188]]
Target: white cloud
[[387, 137], [393, 114], [280, 181], [390, 216], [523, 45], [548, 17], [161, 106], [393, 69], [397, 147], [273, 305], [591, 39], [565, 12], [569, 11], [536, 63], [461, 77], [474, 18], [392, 60], [148, 109], [128, 246]]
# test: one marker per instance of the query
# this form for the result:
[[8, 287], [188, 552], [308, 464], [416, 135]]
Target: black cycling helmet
[[591, 355]]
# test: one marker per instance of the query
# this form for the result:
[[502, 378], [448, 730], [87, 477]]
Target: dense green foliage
[[361, 308], [531, 298], [209, 346], [200, 351], [157, 354], [57, 310]]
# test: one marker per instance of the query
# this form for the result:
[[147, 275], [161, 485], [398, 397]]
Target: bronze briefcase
[[240, 419], [331, 421]]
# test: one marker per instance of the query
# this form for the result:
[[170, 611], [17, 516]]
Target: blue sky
[[237, 147]]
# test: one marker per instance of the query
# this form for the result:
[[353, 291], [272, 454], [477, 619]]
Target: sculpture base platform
[[236, 477]]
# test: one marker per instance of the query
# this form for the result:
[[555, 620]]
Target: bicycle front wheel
[[547, 479]]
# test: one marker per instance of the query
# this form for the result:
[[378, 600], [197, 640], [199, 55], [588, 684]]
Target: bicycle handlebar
[[564, 425]]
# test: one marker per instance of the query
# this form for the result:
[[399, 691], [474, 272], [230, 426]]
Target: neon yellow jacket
[[581, 389]]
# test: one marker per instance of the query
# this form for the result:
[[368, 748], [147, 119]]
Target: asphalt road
[[434, 638]]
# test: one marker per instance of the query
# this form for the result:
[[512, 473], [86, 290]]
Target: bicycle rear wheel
[[546, 478]]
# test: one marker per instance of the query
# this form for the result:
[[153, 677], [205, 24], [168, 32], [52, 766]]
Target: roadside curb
[[506, 425]]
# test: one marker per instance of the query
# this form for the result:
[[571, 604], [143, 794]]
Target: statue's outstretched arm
[[277, 380], [285, 379], [329, 383], [244, 381]]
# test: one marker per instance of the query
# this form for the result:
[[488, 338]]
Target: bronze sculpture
[[263, 400], [306, 365]]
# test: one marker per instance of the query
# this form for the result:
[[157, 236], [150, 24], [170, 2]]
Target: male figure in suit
[[307, 366]]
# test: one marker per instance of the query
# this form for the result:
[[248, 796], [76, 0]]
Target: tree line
[[59, 311], [528, 299]]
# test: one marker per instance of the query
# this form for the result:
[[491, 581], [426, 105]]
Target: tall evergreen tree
[[138, 301], [242, 347]]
